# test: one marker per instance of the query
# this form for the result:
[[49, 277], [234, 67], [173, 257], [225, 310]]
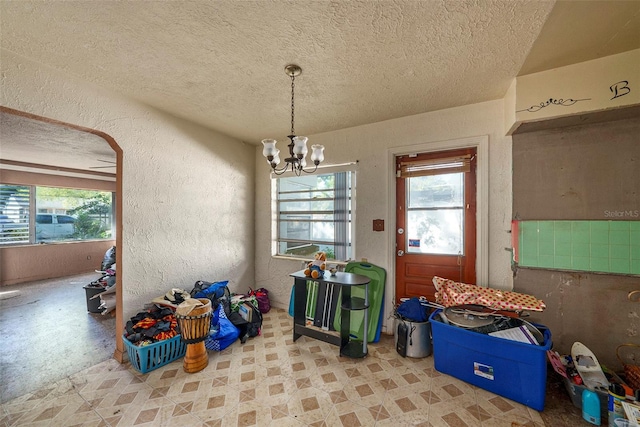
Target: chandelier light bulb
[[269, 147], [300, 146], [317, 155], [276, 158]]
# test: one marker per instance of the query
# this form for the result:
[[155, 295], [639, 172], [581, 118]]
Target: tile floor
[[270, 381]]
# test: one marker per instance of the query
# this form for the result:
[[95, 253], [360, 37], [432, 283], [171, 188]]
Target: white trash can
[[412, 339]]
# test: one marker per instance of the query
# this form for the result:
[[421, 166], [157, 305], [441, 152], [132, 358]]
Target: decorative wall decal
[[552, 101], [620, 89]]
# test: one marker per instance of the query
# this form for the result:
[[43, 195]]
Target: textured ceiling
[[221, 63], [34, 141]]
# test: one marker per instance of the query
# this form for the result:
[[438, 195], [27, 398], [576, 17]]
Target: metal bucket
[[417, 342]]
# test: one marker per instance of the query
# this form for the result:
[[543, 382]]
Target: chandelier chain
[[293, 78], [297, 146]]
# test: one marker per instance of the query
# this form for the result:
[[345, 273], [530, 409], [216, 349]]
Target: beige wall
[[188, 204], [37, 262], [373, 147]]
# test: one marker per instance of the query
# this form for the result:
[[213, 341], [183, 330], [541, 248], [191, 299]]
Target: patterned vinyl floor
[[271, 381]]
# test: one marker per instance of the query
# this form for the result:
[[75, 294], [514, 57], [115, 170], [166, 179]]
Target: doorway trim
[[481, 143]]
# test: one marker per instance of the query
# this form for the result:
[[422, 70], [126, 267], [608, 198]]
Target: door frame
[[481, 144]]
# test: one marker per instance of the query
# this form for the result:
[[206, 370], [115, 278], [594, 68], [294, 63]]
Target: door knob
[[400, 252], [634, 296]]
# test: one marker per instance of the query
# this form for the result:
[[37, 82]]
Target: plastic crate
[[152, 356], [575, 392], [515, 370]]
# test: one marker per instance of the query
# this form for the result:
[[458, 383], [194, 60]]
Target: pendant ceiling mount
[[293, 70]]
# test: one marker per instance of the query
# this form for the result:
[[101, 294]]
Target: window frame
[[351, 213]]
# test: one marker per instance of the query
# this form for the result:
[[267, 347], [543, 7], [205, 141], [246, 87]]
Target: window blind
[[409, 169]]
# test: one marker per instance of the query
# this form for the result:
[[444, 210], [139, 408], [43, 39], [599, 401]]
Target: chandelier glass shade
[[296, 161]]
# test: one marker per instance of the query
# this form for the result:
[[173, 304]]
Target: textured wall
[[591, 308], [188, 209], [584, 172], [20, 264], [370, 145]]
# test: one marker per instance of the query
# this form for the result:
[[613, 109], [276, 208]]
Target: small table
[[348, 346]]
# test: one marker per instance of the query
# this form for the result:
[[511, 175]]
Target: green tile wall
[[599, 246]]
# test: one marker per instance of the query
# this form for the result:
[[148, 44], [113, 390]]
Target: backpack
[[217, 292], [262, 295]]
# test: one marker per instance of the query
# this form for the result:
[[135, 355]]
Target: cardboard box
[[515, 370]]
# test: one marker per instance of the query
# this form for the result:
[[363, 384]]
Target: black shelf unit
[[349, 346]]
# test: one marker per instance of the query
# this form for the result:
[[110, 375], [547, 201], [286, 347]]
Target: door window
[[435, 214]]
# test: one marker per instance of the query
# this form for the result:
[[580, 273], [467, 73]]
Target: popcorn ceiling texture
[[221, 63]]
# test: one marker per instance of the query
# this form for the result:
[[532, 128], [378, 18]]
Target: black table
[[344, 281]]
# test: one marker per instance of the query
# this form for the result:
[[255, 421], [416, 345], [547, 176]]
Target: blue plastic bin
[[152, 356], [511, 369]]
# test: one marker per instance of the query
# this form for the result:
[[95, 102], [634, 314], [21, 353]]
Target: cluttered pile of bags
[[103, 289], [234, 316]]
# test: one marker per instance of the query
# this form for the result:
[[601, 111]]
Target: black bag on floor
[[247, 329]]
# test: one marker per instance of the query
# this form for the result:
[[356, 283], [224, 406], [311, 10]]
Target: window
[[44, 219], [60, 214], [14, 214], [315, 213], [435, 212], [64, 219]]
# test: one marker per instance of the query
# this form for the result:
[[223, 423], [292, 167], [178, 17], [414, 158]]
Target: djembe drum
[[194, 329]]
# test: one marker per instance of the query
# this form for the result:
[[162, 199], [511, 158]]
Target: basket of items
[[152, 339], [629, 355]]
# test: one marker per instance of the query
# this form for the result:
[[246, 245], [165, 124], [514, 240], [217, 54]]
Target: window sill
[[299, 259], [53, 242]]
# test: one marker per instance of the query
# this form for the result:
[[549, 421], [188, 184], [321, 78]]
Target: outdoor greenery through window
[[315, 214], [35, 214]]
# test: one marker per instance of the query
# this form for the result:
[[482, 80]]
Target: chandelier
[[296, 162]]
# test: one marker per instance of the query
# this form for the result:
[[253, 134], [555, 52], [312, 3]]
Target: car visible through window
[[54, 226]]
